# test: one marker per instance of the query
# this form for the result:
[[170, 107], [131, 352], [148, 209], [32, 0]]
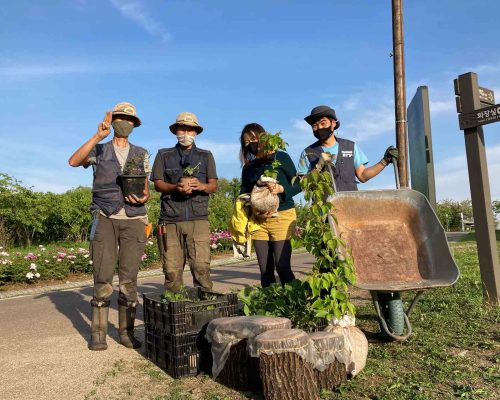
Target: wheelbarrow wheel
[[393, 311]]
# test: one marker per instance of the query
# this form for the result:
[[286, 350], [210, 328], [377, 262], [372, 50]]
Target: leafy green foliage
[[324, 294], [448, 212], [271, 143], [333, 269], [191, 170], [169, 296], [28, 217], [291, 300]]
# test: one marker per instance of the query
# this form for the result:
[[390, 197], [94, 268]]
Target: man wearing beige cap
[[118, 228], [185, 175]]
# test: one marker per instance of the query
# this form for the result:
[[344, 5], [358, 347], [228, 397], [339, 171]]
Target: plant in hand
[[134, 166], [190, 170], [271, 143]]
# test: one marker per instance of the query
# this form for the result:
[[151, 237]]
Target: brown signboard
[[483, 116]]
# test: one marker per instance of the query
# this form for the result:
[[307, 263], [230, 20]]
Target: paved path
[[43, 346]]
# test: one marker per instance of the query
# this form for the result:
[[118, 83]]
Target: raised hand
[[104, 128]]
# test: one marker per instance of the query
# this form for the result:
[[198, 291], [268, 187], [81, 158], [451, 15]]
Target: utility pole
[[400, 89]]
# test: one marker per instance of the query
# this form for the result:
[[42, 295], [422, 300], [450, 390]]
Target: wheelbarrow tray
[[396, 239]]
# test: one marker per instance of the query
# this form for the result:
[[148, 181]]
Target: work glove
[[390, 154]]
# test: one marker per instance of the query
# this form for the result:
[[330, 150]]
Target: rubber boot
[[99, 325], [126, 319]]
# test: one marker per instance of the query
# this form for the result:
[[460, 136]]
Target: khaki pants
[[189, 239], [122, 240]]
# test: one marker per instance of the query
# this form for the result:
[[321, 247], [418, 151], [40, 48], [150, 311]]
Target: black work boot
[[126, 319], [99, 325]]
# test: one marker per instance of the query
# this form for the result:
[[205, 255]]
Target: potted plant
[[133, 177], [189, 172]]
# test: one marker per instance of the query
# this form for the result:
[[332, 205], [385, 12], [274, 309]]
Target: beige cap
[[127, 109], [188, 119]]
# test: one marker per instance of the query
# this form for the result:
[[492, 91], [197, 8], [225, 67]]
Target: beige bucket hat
[[188, 119], [127, 109]]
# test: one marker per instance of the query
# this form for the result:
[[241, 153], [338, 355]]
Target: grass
[[454, 353]]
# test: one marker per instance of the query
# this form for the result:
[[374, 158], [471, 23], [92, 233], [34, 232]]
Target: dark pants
[[273, 255], [122, 240], [191, 240]]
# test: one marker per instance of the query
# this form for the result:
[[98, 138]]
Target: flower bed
[[59, 261], [221, 242]]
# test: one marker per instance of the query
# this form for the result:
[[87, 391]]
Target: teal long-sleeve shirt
[[286, 171]]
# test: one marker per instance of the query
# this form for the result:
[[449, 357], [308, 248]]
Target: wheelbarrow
[[398, 245]]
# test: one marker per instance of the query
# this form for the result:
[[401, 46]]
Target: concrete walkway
[[45, 334]]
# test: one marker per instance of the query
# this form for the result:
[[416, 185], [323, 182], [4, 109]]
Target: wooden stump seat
[[286, 367]]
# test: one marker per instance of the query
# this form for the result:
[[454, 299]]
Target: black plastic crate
[[179, 355], [188, 316]]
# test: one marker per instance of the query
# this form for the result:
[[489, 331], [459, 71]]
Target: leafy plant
[[333, 269], [134, 166], [190, 170], [324, 294], [290, 300], [271, 143], [182, 294]]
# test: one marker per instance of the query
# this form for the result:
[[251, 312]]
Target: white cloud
[[441, 107], [135, 10], [28, 71], [452, 178]]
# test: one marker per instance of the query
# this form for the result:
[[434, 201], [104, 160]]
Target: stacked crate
[[175, 330]]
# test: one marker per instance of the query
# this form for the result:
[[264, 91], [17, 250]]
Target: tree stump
[[230, 339], [358, 348], [329, 371], [285, 372], [240, 372]]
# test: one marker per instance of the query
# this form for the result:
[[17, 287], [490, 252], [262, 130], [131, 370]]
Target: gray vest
[[107, 194], [177, 207], [344, 173]]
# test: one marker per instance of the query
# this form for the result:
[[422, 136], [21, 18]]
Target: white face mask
[[185, 139]]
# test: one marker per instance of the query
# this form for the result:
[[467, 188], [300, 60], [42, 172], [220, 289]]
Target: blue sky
[[64, 63]]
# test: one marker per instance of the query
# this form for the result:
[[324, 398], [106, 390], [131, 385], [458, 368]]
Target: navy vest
[[107, 193], [177, 207], [344, 173]]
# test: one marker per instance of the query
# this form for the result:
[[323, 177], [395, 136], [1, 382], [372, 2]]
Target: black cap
[[319, 112]]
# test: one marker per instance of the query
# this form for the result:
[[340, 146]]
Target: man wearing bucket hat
[[118, 228], [185, 175], [348, 159]]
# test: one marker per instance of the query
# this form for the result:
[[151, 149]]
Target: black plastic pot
[[133, 184]]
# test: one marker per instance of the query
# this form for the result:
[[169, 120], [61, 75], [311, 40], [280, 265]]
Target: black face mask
[[252, 147], [323, 133]]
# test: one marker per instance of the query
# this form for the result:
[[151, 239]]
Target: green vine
[[324, 294], [333, 269]]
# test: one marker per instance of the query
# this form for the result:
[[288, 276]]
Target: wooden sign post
[[471, 100]]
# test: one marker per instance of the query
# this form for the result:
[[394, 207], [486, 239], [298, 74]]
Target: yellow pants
[[280, 227]]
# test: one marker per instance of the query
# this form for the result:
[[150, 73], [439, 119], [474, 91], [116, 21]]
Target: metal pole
[[400, 89]]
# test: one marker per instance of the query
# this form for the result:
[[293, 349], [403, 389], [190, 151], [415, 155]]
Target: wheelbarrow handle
[[396, 175]]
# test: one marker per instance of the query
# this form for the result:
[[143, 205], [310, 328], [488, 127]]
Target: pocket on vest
[[200, 206], [171, 208]]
